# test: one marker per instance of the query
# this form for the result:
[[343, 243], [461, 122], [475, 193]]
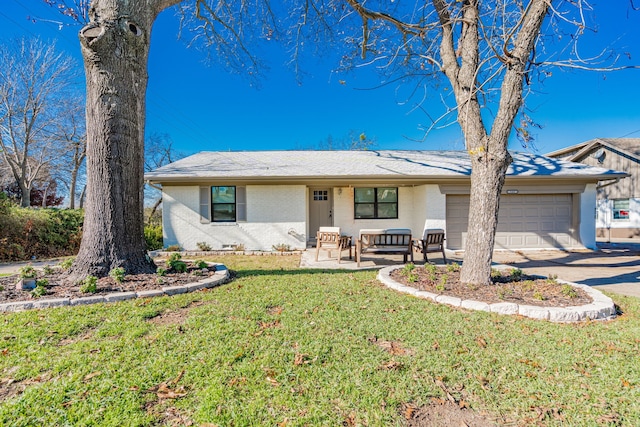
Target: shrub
[[281, 247], [117, 274], [27, 232], [38, 291], [201, 264], [173, 248], [203, 246], [66, 264], [153, 237], [180, 266], [569, 291], [47, 269], [27, 272], [452, 267], [161, 271], [174, 262], [89, 285]]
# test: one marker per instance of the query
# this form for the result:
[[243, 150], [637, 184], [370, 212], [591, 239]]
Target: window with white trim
[[621, 209], [223, 204]]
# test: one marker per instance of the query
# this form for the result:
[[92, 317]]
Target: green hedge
[[153, 237], [40, 233], [49, 232]]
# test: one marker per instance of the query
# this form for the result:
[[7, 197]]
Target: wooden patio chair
[[432, 241], [329, 239]]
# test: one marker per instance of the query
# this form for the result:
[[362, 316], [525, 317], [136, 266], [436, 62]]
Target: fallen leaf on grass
[[409, 411], [301, 359], [391, 366], [167, 390], [273, 382], [91, 375], [481, 342]]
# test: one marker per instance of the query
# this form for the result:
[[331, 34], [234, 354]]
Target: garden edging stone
[[220, 277], [602, 307]]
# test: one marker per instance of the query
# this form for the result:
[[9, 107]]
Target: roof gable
[[627, 146]]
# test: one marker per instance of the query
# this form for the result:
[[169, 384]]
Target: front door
[[320, 210]]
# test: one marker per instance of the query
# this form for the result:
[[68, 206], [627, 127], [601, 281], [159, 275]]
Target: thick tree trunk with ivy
[[115, 47]]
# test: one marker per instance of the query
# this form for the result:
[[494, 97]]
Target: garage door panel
[[524, 221]]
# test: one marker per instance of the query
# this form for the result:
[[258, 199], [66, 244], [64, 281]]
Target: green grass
[[281, 344]]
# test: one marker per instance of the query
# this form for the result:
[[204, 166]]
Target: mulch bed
[[508, 286], [57, 288]]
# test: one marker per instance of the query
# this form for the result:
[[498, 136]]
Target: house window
[[621, 209], [320, 195], [376, 203], [223, 204]]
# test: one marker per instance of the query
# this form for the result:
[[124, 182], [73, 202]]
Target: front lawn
[[291, 347]]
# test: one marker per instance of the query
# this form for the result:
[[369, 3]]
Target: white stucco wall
[[275, 215], [605, 215], [419, 207], [587, 216]]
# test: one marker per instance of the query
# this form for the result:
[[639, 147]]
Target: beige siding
[[627, 187]]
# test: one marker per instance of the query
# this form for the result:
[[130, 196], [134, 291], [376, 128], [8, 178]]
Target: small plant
[[27, 272], [239, 247], [569, 291], [173, 248], [504, 292], [117, 274], [408, 269], [201, 264], [175, 262], [528, 285], [47, 269], [281, 247], [552, 279], [453, 267], [180, 266], [159, 280], [516, 274], [39, 290], [161, 271], [66, 264], [538, 295], [197, 272], [495, 273], [203, 246], [174, 257], [89, 285], [443, 283]]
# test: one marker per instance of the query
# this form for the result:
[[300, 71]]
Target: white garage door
[[524, 222]]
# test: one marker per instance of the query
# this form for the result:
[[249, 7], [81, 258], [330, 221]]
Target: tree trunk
[[115, 46], [487, 178], [72, 188], [25, 194]]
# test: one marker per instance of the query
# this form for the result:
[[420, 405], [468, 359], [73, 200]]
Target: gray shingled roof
[[358, 164], [630, 146]]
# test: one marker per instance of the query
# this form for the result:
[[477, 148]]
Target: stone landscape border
[[602, 307], [220, 277]]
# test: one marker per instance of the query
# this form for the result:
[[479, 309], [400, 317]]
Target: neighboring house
[[260, 199], [618, 201]]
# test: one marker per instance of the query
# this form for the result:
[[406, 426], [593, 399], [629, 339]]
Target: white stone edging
[[220, 276], [602, 307]]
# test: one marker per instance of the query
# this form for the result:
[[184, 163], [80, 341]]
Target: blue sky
[[205, 108]]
